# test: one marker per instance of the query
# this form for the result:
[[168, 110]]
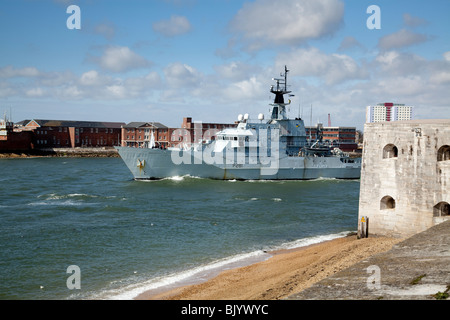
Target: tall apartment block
[[388, 111]]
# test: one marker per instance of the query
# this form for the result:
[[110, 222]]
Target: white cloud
[[236, 70], [66, 86], [91, 78], [388, 57], [400, 39], [266, 22], [441, 71], [70, 92], [350, 42], [325, 80], [142, 86], [7, 90], [401, 86], [11, 72], [249, 89], [181, 75], [120, 59], [106, 29], [228, 51], [411, 21], [35, 92], [311, 62], [175, 26], [116, 91], [446, 56], [442, 77], [400, 63]]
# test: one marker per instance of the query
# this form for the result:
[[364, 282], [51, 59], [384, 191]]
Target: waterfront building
[[388, 111], [145, 135], [343, 138], [71, 134], [12, 141], [405, 176], [198, 131], [157, 135]]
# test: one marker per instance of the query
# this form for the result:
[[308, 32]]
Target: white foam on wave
[[207, 271], [54, 199], [55, 203], [175, 178], [323, 179], [190, 276], [54, 196], [171, 178], [181, 178], [312, 240]]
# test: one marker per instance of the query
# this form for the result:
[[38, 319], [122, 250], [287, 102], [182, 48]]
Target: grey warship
[[273, 149]]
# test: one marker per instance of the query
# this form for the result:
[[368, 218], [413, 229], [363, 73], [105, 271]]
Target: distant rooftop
[[72, 123], [390, 104], [144, 124]]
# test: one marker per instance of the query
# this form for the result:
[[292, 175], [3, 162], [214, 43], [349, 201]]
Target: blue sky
[[162, 60]]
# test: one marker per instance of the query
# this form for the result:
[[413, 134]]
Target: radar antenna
[[281, 87], [279, 91]]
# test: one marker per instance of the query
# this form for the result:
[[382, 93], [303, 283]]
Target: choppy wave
[[85, 215], [59, 203], [55, 196], [71, 199]]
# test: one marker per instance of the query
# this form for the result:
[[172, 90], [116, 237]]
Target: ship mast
[[279, 107]]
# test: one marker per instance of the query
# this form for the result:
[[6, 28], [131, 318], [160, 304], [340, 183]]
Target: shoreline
[[101, 152], [285, 272]]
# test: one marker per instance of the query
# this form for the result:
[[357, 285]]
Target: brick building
[[11, 141], [344, 138], [139, 134], [197, 131], [144, 134], [71, 134]]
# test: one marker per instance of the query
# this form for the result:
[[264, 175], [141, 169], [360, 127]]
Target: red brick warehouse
[[71, 134]]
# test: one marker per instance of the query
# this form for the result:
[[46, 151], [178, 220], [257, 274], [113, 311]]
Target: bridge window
[[387, 202]]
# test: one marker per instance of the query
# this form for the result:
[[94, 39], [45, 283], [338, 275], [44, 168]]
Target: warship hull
[[148, 164]]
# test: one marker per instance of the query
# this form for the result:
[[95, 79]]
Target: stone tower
[[405, 176]]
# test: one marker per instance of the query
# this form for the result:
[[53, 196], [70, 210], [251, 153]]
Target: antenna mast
[[279, 110]]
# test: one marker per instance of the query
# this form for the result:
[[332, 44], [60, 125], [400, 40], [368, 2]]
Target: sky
[[162, 60]]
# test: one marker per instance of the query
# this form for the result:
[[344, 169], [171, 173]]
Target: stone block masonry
[[405, 176]]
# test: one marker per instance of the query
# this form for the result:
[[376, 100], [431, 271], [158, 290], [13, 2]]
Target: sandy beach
[[285, 273]]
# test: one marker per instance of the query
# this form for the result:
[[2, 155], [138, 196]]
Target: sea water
[[129, 236]]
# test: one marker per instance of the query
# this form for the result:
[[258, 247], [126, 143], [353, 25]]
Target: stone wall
[[405, 176]]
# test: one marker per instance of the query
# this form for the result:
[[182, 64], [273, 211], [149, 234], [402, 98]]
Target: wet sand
[[285, 273]]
